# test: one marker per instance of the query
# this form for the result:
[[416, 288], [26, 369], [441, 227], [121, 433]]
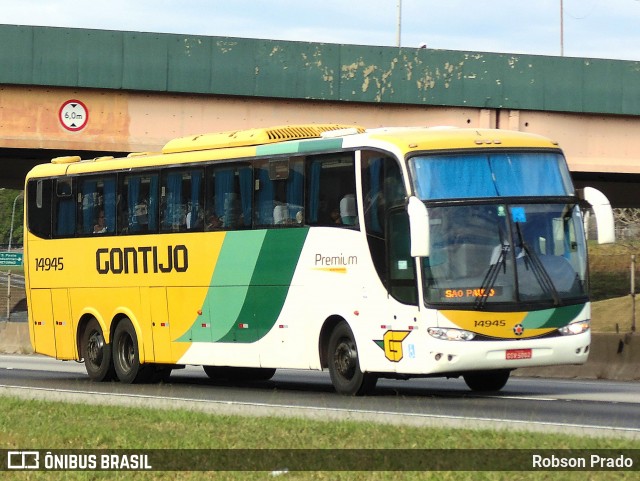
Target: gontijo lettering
[[144, 259]]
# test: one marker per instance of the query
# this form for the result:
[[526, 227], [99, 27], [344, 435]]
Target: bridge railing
[[13, 300]]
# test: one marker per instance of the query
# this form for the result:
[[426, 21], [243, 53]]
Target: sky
[[591, 28]]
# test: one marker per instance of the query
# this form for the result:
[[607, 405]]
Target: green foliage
[[7, 199]]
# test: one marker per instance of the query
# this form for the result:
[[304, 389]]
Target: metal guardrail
[[13, 301]]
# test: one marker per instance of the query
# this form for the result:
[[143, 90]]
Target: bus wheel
[[485, 381], [344, 366], [126, 356], [96, 353]]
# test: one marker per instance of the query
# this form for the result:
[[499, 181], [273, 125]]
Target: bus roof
[[297, 139], [243, 138], [411, 139]]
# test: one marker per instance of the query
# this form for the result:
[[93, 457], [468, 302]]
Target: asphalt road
[[593, 408]]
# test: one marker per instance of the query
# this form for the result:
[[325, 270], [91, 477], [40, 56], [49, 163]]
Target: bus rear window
[[39, 207]]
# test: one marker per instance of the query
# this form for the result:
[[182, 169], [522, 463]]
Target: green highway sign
[[10, 259]]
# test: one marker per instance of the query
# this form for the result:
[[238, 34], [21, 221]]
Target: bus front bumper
[[461, 356]]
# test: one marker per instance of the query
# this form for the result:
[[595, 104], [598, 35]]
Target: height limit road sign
[[10, 259], [73, 115]]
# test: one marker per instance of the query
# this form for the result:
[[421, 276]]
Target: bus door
[[399, 342], [388, 236]]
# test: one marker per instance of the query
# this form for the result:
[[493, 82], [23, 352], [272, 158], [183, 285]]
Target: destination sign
[[470, 292]]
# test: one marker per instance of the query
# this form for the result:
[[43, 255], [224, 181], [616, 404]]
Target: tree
[[9, 198]]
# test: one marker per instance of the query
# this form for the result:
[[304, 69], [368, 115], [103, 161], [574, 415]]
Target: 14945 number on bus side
[[49, 263]]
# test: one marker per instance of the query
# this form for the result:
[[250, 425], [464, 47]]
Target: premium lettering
[[145, 259], [339, 260]]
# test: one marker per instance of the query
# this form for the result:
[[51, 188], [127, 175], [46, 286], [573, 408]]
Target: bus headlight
[[577, 327], [450, 334]]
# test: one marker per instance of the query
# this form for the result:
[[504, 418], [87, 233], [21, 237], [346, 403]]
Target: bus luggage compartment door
[[41, 318], [63, 325], [52, 326], [160, 325]]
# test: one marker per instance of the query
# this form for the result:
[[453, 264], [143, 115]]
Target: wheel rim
[[345, 359], [126, 353], [95, 348]]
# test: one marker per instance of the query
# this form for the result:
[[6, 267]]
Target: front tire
[[487, 381], [126, 355], [344, 364], [96, 353]]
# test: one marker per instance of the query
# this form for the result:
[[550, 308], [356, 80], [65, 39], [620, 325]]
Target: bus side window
[[265, 195], [382, 188], [39, 193], [402, 272], [331, 189], [194, 218], [181, 205], [172, 212], [65, 214], [97, 206], [229, 197], [280, 192], [139, 204]]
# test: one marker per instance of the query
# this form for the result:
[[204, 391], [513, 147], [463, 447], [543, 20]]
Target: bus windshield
[[490, 174], [492, 253]]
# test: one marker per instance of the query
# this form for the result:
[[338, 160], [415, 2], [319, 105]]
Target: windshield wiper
[[539, 271], [492, 274]]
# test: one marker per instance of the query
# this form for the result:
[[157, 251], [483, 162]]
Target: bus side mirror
[[418, 227], [603, 213]]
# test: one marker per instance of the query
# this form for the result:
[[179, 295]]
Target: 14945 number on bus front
[[49, 264]]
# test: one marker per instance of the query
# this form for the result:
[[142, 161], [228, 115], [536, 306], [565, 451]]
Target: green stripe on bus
[[230, 280], [299, 147], [548, 318], [238, 257], [249, 285], [269, 285]]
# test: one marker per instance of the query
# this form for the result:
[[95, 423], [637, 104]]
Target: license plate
[[518, 354]]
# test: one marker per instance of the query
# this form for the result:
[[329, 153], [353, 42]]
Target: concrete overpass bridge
[[93, 92]]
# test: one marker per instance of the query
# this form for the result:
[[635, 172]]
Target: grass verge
[[49, 425]]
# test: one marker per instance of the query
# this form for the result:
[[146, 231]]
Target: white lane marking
[[522, 398]]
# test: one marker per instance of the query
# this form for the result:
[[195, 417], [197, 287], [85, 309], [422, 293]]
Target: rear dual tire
[[126, 355], [120, 359], [96, 353]]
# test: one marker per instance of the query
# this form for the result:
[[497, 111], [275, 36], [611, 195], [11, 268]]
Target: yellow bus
[[396, 253]]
